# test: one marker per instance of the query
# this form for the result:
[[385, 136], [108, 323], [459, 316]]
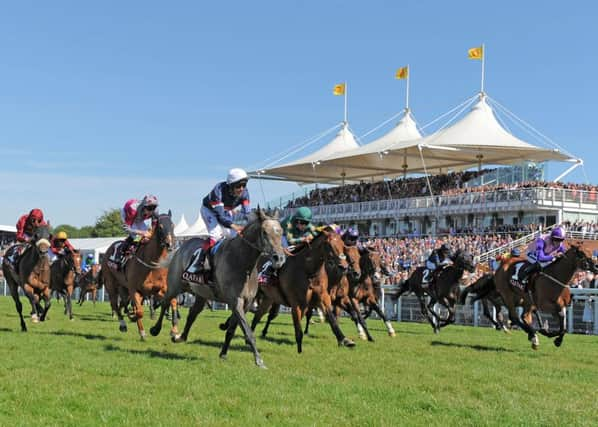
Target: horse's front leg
[[69, 301], [239, 312], [527, 324], [33, 300], [374, 306], [562, 326], [47, 297], [326, 307], [197, 307], [353, 308], [175, 319]]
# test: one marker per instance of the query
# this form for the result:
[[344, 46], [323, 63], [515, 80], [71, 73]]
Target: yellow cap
[[61, 235]]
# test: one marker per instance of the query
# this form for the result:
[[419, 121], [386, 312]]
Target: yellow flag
[[339, 89], [476, 53], [402, 73]]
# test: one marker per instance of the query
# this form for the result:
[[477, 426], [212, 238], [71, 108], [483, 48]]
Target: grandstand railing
[[522, 241], [481, 201]]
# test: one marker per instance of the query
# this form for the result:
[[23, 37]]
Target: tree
[[108, 225], [71, 231]]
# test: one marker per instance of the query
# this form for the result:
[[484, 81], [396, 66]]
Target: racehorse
[[303, 284], [548, 292], [485, 291], [64, 274], [366, 291], [90, 282], [33, 275], [233, 276], [444, 289], [142, 275]]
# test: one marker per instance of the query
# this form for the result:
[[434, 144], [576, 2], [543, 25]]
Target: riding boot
[[121, 252]]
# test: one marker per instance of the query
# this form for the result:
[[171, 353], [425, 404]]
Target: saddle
[[205, 277]]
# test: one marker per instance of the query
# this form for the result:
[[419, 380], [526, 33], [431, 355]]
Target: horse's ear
[[169, 213], [260, 214], [276, 213]]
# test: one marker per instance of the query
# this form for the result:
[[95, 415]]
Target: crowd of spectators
[[446, 185], [392, 189]]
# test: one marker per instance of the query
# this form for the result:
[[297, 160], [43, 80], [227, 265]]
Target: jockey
[[297, 229], [438, 258], [26, 226], [217, 212], [350, 236], [542, 252], [137, 219], [28, 223], [60, 245], [87, 263]]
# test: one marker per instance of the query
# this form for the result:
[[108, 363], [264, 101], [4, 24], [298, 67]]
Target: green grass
[[86, 372]]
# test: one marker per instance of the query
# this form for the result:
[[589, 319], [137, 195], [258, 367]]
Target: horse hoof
[[370, 339], [346, 342], [223, 357], [122, 328], [177, 339], [261, 365], [558, 341], [363, 337], [392, 334], [223, 326], [155, 332]]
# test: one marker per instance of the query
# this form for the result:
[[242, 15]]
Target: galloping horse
[[366, 291], [90, 282], [234, 278], [142, 275], [549, 293], [485, 291], [443, 290], [64, 272], [33, 275], [303, 283]]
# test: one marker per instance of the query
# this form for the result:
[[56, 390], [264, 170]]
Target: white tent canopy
[[181, 226], [474, 140], [198, 228]]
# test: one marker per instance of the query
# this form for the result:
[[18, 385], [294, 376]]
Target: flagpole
[[346, 90], [483, 61], [407, 94]]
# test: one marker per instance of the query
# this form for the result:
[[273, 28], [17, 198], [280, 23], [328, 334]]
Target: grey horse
[[232, 266]]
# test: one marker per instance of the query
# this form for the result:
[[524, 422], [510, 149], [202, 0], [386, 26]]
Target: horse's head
[[464, 259], [335, 248], [582, 260], [164, 229], [76, 260], [41, 238], [266, 233], [354, 261], [372, 265]]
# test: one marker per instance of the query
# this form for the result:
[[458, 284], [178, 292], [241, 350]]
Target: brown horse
[[33, 275], [303, 283], [443, 290], [549, 293], [367, 290], [142, 275], [90, 282], [64, 273]]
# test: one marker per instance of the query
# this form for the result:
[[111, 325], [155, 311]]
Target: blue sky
[[104, 101]]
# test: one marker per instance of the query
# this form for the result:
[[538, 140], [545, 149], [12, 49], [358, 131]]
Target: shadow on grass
[[218, 344], [151, 353], [80, 335], [95, 318], [278, 341], [8, 330], [470, 346]]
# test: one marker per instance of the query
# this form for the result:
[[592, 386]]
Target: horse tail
[[483, 286]]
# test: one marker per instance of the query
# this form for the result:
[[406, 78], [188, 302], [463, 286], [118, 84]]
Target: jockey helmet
[[557, 233], [149, 200], [36, 214], [236, 175], [351, 233], [515, 252], [61, 235], [445, 248], [89, 256], [302, 214]]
